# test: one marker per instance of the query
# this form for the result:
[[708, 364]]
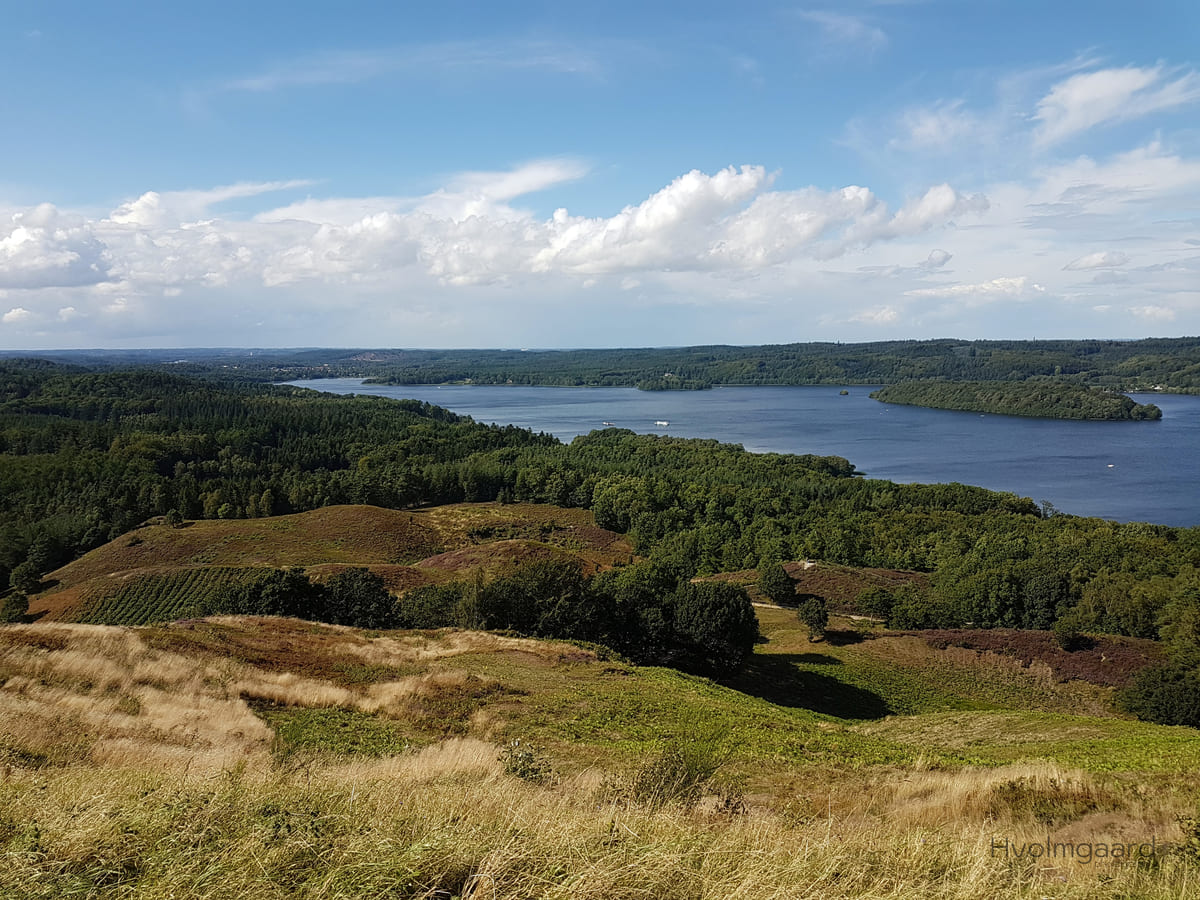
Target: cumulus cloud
[[936, 259], [42, 248], [1103, 259], [1089, 99], [16, 315], [468, 254]]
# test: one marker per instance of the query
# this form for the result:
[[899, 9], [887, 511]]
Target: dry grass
[[173, 696], [448, 820], [134, 767]]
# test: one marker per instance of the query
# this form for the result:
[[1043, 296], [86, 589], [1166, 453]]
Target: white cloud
[[477, 58], [936, 259], [172, 207], [1003, 288], [1154, 313], [16, 315], [43, 248], [1103, 259], [943, 126], [1089, 99], [466, 264], [877, 315], [840, 28]]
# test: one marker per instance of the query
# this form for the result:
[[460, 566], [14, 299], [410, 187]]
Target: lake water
[[1128, 471]]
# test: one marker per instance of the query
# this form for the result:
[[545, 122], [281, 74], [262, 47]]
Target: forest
[[1044, 398], [1167, 364], [87, 455]]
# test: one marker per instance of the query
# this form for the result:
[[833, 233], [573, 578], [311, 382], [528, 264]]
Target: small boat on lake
[[662, 422]]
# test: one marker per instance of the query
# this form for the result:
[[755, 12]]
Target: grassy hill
[[154, 572], [273, 757]]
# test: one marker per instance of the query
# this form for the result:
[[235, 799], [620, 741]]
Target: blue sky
[[634, 174]]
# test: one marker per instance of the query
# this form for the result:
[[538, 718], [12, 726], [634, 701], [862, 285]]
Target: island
[[1043, 398]]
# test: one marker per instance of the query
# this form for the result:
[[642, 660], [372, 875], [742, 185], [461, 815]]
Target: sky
[[556, 174]]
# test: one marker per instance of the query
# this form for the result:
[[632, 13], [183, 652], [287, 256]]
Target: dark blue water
[[1128, 471]]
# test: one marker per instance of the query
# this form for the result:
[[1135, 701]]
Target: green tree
[[358, 597], [776, 584], [715, 625], [813, 612], [25, 578], [14, 607]]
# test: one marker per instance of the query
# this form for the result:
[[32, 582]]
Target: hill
[[260, 758], [1038, 397], [407, 548]]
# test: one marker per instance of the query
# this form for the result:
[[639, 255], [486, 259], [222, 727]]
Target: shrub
[[1167, 695], [876, 601], [357, 597], [715, 625], [776, 584], [527, 762], [813, 613], [14, 607], [678, 773], [1066, 634]]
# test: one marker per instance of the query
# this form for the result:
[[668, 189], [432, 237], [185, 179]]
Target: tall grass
[[449, 820]]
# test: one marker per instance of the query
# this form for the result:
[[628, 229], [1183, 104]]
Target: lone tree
[[776, 584], [813, 613], [715, 625]]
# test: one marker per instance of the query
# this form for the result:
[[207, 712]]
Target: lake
[[1128, 471]]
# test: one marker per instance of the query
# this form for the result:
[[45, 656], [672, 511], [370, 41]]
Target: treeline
[[1040, 397], [85, 456], [1171, 364]]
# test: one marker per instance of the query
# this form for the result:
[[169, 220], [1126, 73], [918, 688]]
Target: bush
[[1167, 695], [281, 592], [525, 761], [715, 626], [14, 607], [776, 584], [1066, 634], [814, 613], [357, 597], [678, 773], [877, 602]]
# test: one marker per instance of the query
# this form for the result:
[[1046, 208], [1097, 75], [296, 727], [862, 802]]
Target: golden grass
[[131, 768], [447, 819]]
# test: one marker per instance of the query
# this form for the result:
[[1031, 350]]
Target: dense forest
[[1042, 397], [84, 456], [1168, 364]]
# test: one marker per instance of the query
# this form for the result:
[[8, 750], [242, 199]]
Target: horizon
[[632, 176]]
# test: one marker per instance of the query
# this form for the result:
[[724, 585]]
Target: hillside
[[1040, 398], [407, 548], [270, 757]]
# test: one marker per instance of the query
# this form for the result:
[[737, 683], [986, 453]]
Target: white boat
[[662, 422], [606, 423]]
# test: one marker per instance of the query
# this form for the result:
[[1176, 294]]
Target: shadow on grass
[[816, 659], [840, 637], [780, 679]]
